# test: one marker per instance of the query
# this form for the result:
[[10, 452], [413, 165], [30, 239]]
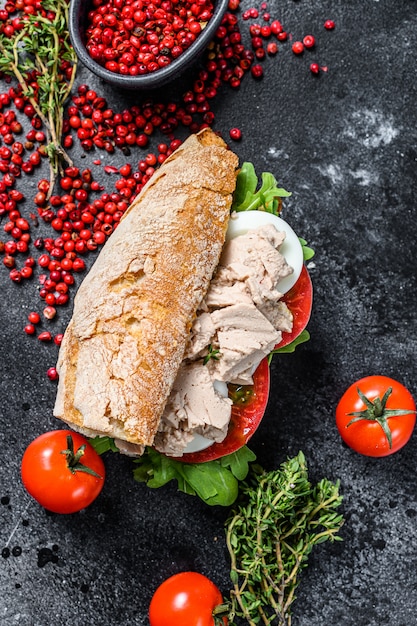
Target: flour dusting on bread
[[133, 312]]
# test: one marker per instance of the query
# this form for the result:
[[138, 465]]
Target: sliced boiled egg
[[197, 443], [291, 249]]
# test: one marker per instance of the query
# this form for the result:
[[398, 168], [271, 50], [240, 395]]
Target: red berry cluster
[[136, 37], [266, 33], [12, 25], [309, 43]]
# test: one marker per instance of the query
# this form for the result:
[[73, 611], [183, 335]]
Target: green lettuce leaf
[[302, 338], [214, 482], [246, 196], [103, 444], [308, 253]]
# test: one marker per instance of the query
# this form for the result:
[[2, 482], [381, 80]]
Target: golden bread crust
[[133, 311]]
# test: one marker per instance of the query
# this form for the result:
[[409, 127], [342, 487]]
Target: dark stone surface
[[345, 144]]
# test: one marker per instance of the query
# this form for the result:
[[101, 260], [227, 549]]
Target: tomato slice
[[299, 300], [243, 423]]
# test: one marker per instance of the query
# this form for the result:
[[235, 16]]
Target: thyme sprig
[[37, 51], [278, 520], [212, 353]]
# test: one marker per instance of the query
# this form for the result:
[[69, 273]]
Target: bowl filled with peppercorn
[[142, 44]]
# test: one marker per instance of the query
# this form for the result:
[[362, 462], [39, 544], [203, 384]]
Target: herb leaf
[[103, 444], [308, 252], [215, 482], [246, 196], [212, 353], [289, 348], [275, 524], [238, 462]]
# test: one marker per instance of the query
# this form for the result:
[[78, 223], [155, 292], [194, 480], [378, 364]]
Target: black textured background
[[344, 143]]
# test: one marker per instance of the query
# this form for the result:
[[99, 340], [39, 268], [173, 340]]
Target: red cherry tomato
[[376, 416], [247, 412], [299, 300], [62, 471], [185, 599]]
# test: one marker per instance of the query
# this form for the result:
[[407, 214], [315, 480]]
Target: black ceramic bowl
[[78, 12]]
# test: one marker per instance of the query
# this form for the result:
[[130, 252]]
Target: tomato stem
[[376, 411], [73, 459]]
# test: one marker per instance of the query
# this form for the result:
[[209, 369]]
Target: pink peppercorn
[[309, 41], [235, 134], [257, 71], [298, 47], [272, 48], [276, 27], [52, 374]]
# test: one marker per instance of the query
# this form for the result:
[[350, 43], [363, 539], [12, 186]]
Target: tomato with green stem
[[376, 416], [187, 599], [62, 471]]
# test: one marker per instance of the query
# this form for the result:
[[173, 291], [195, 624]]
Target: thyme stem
[[38, 50]]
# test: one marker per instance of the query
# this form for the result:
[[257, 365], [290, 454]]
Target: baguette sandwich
[[133, 312], [184, 301]]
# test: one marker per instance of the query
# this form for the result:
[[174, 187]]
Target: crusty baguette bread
[[133, 311]]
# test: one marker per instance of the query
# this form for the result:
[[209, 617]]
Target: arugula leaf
[[216, 486], [102, 444], [155, 469], [247, 198], [238, 462], [214, 482], [246, 182], [302, 338], [308, 253]]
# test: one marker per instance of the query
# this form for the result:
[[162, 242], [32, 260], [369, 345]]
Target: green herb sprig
[[280, 516], [35, 53], [212, 354]]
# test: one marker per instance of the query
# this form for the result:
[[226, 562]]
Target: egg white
[[291, 249], [198, 443]]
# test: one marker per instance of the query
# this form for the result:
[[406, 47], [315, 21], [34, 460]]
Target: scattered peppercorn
[[235, 134], [272, 48], [297, 47], [309, 41], [52, 374], [257, 71]]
